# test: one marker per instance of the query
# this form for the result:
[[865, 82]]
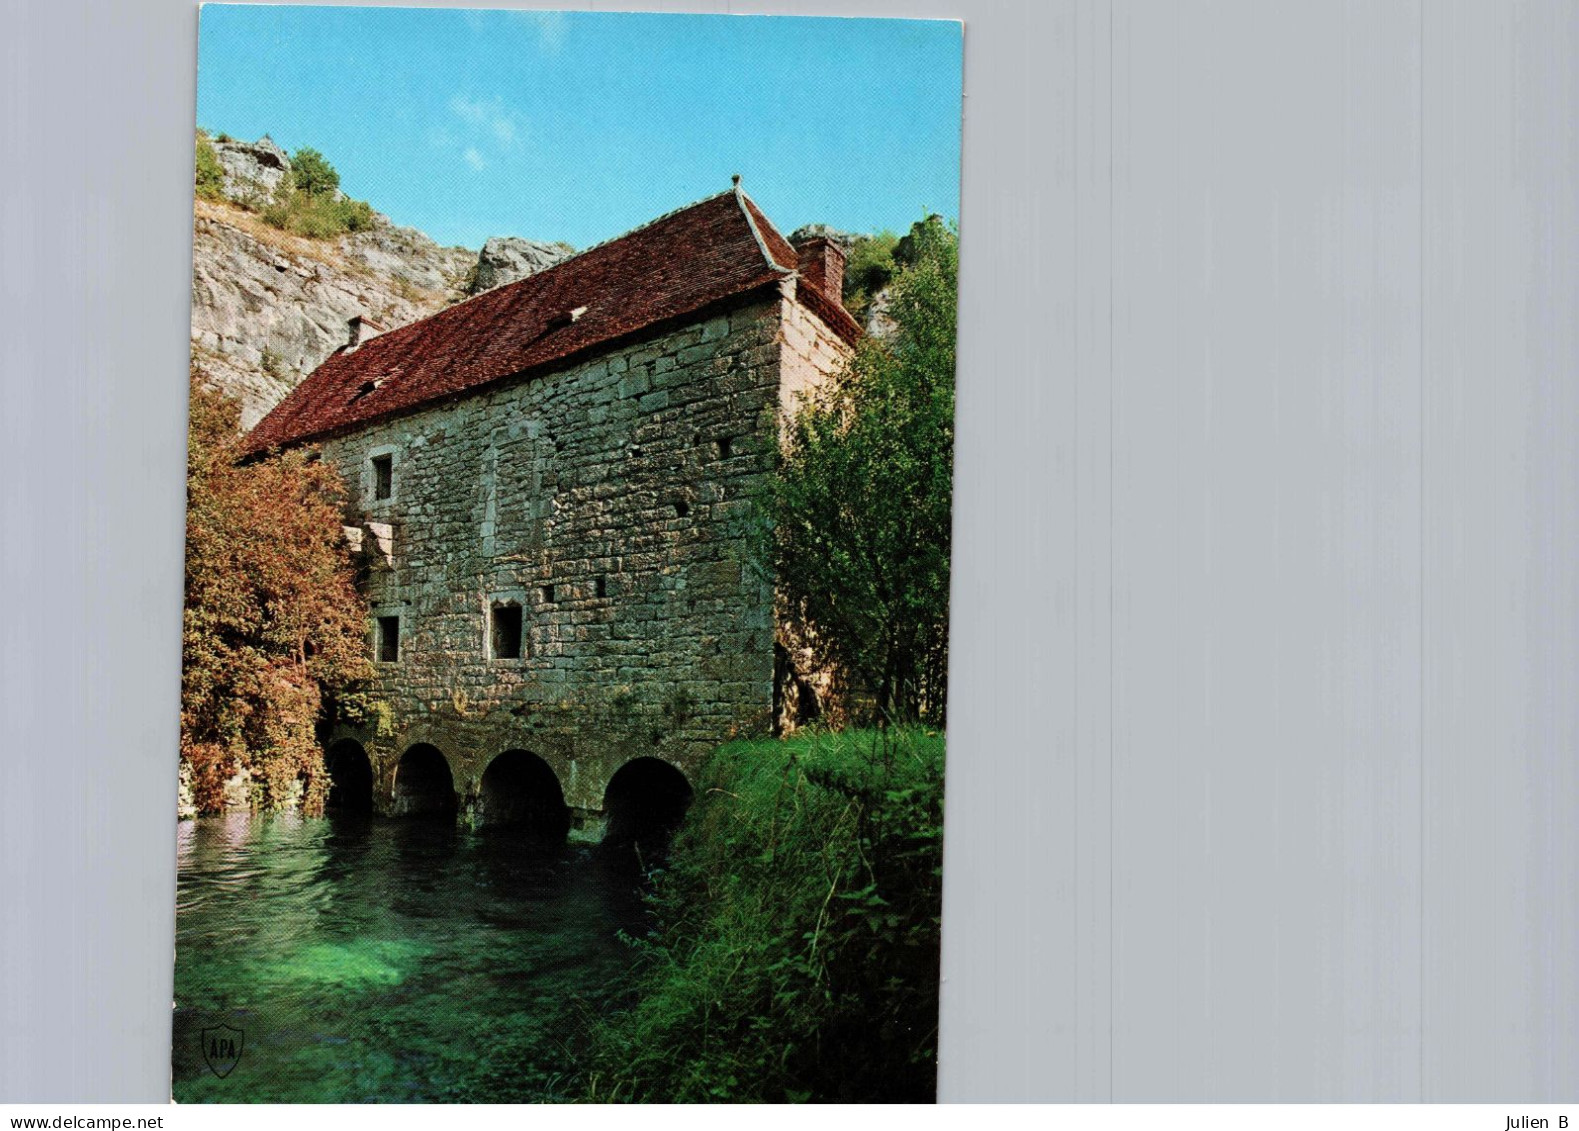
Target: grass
[[794, 953]]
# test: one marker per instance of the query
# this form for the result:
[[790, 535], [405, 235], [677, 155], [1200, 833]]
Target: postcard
[[565, 676]]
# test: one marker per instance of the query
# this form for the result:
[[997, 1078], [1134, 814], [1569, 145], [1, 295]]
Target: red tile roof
[[677, 265]]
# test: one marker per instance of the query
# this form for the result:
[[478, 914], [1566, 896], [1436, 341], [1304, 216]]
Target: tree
[[313, 174], [273, 622], [858, 517], [869, 268]]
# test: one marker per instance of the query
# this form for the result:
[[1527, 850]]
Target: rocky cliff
[[268, 306]]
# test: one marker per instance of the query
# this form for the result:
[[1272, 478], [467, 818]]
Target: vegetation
[[210, 174], [314, 214], [308, 202], [869, 266], [797, 926], [271, 362], [314, 175], [272, 625], [857, 522]]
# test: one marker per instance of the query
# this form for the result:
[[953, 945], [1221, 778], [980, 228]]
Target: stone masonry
[[611, 503], [551, 490]]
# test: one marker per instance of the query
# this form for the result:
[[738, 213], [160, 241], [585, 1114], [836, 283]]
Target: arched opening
[[350, 777], [423, 784], [645, 802], [520, 791]]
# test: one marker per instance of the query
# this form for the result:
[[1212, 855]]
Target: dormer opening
[[566, 317]]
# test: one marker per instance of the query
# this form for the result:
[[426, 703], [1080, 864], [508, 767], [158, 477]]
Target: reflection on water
[[389, 960]]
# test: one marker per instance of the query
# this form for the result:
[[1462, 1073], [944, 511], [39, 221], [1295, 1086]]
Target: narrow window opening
[[507, 631], [388, 639], [383, 476], [548, 594], [600, 586], [725, 446], [682, 508]]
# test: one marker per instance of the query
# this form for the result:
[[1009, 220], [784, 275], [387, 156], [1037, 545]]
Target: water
[[385, 960]]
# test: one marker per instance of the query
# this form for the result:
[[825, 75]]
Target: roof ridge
[[673, 212], [756, 233], [673, 265]]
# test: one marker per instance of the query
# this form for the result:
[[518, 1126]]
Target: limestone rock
[[845, 240], [253, 169], [269, 307], [504, 259], [879, 323]]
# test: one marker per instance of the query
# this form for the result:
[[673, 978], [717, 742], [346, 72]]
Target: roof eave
[[544, 369]]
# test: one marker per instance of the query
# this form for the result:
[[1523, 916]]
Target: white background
[[1262, 779]]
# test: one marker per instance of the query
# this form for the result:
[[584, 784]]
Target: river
[[367, 959]]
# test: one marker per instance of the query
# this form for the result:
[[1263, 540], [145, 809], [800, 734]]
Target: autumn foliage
[[274, 628]]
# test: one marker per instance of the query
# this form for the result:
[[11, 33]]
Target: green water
[[398, 961]]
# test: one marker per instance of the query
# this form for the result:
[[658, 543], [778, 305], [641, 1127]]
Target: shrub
[[358, 215], [316, 216], [210, 176], [272, 622], [868, 268], [795, 955]]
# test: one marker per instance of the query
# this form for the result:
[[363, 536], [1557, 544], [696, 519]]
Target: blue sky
[[580, 125]]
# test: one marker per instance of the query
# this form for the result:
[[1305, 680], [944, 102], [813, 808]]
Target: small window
[[548, 594], [388, 639], [600, 586], [383, 476], [726, 447], [681, 508], [507, 631]]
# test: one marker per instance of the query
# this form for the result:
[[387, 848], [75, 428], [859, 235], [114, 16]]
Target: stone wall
[[611, 503], [808, 686]]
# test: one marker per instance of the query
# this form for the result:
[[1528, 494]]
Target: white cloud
[[474, 159], [549, 27], [489, 118]]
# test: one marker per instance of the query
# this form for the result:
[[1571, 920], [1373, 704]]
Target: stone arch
[[350, 777], [645, 801], [423, 783], [521, 791]]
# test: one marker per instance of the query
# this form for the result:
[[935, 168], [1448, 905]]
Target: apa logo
[[222, 1049]]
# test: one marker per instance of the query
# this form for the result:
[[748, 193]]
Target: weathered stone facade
[[610, 502]]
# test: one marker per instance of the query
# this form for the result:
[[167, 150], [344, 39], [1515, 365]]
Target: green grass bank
[[794, 951]]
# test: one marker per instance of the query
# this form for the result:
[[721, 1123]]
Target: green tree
[[210, 173], [308, 202], [272, 622], [868, 269], [858, 518], [313, 173]]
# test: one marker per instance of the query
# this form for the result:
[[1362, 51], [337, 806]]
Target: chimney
[[822, 265], [360, 329]]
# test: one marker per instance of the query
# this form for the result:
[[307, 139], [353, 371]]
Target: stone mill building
[[550, 489]]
